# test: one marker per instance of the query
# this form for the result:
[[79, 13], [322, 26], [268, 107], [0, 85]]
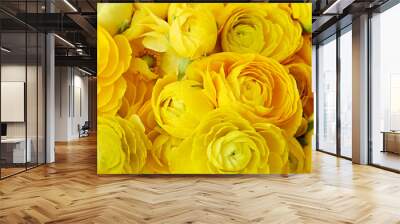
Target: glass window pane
[[31, 97], [41, 99], [314, 84], [385, 84], [346, 94], [22, 86], [327, 96], [13, 86]]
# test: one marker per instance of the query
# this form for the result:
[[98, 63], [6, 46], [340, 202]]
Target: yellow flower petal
[[125, 51], [103, 49], [114, 16], [158, 9], [223, 143], [193, 31], [122, 145], [148, 28], [303, 13], [112, 54], [138, 92], [260, 28], [296, 160], [179, 105], [160, 158], [156, 42], [140, 66], [302, 74], [257, 87], [277, 144], [111, 106]]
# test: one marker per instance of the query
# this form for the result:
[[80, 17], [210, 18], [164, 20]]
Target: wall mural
[[204, 88]]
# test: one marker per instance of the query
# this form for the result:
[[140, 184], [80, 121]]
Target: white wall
[[81, 100], [61, 103], [70, 84], [11, 73]]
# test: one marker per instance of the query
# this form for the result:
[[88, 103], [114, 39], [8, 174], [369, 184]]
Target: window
[[327, 96], [22, 77], [346, 93], [385, 89]]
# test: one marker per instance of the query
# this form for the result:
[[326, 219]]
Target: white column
[[360, 90], [50, 98]]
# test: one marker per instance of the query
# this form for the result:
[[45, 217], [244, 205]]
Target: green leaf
[[302, 141], [124, 25], [310, 126], [182, 64]]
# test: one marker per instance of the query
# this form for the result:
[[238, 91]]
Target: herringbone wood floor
[[69, 191]]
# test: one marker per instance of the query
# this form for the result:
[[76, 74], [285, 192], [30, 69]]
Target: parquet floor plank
[[70, 191]]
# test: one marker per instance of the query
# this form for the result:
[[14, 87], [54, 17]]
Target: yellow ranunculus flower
[[146, 62], [170, 63], [287, 154], [147, 116], [173, 64], [302, 158], [214, 7], [193, 31], [178, 106], [122, 61], [304, 54], [307, 148], [303, 127], [305, 51], [107, 55], [122, 145], [158, 9], [110, 97], [159, 156], [264, 29], [308, 153], [204, 88], [243, 28], [114, 59], [303, 13], [223, 143], [104, 50], [302, 73], [256, 86], [114, 17], [148, 29], [297, 158], [138, 91], [277, 144]]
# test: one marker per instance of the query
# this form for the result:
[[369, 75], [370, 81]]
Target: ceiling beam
[[49, 22], [337, 7], [79, 61], [83, 23]]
